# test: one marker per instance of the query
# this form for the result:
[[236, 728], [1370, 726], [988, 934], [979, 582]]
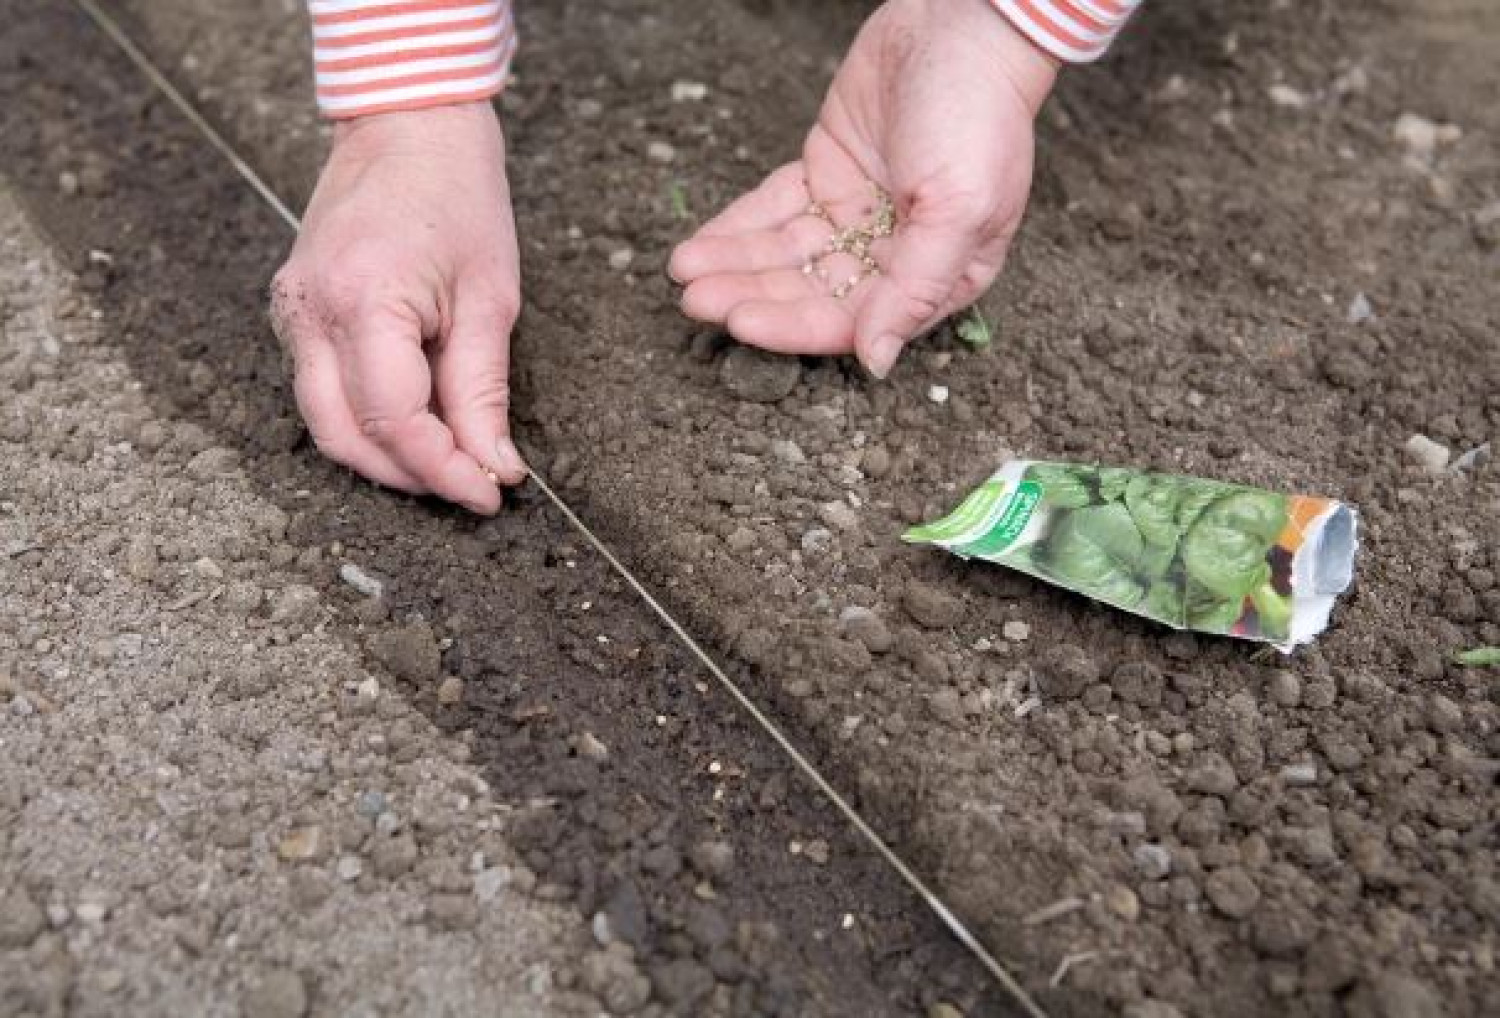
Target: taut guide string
[[118, 36]]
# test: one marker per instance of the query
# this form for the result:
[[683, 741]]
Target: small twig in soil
[[1056, 910], [1067, 963]]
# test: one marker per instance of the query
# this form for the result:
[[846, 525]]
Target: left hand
[[934, 104]]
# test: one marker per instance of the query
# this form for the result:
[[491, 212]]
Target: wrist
[[426, 128], [1032, 70]]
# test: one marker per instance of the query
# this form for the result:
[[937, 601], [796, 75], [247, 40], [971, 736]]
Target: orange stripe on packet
[[1302, 512]]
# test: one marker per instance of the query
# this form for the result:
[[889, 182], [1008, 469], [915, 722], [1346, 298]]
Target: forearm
[[1073, 31], [377, 56]]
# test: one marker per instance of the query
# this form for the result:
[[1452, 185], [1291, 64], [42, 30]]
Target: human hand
[[934, 104], [397, 303]]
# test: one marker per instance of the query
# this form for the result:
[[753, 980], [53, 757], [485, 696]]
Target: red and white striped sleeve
[[375, 56], [1074, 31]]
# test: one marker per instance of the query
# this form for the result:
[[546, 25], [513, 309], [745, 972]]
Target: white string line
[[858, 822]]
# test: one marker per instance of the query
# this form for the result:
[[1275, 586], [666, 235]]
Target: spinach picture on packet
[[1190, 552]]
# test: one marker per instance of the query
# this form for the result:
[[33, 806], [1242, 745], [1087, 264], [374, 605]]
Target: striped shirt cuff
[[1074, 31], [376, 56]]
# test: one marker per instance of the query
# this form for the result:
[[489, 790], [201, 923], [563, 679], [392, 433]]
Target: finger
[[320, 396], [711, 298], [816, 326], [784, 247], [472, 375], [924, 263], [389, 385], [837, 181], [779, 197]]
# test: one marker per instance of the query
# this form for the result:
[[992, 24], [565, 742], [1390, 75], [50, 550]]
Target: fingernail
[[512, 466], [882, 354]]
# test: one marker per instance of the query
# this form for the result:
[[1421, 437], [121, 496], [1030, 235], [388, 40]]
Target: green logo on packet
[[986, 523]]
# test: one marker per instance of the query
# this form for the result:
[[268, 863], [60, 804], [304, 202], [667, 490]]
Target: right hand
[[398, 300]]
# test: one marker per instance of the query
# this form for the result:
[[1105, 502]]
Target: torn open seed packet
[[1189, 552]]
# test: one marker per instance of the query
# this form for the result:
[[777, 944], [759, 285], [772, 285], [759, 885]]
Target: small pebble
[[1287, 97], [688, 91], [1152, 861], [839, 516], [302, 844], [621, 259], [490, 882], [349, 868], [1300, 775], [361, 580], [1122, 901], [1015, 630], [371, 803], [1431, 456], [937, 393], [661, 152], [450, 691], [1360, 310], [279, 994]]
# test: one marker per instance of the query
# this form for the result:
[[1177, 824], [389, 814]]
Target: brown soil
[[1178, 300]]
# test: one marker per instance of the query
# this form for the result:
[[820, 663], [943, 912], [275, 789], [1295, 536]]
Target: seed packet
[[1189, 552]]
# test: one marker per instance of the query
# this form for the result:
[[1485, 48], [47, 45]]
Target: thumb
[[926, 261], [472, 379]]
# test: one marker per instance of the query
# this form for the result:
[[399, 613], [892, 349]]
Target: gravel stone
[[759, 377], [1429, 455], [1122, 901], [1232, 891], [1394, 995], [613, 978], [296, 604], [1160, 804], [303, 844], [930, 607], [279, 993], [395, 856], [450, 691], [1066, 671], [360, 580], [1153, 862], [242, 596], [682, 982], [1015, 630], [1213, 776], [1138, 682], [865, 626], [20, 920], [1320, 692], [712, 858], [1285, 689], [839, 516], [410, 652], [1282, 931], [1443, 715]]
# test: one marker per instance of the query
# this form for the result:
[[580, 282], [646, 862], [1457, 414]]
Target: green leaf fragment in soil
[[974, 330], [1478, 657]]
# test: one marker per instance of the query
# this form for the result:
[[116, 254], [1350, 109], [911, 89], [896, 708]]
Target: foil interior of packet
[[1190, 552]]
